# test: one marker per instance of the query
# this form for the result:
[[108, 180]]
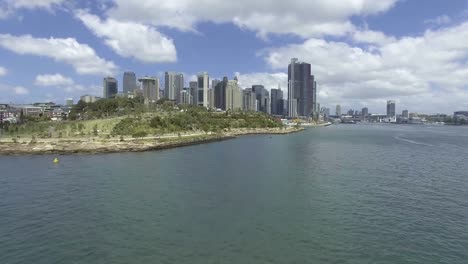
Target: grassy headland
[[128, 125]]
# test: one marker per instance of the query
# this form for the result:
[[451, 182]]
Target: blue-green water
[[340, 194]]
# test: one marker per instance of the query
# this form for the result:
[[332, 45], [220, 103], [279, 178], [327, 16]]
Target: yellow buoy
[[56, 160]]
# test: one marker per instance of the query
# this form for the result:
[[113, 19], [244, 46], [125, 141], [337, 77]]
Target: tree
[[95, 130]]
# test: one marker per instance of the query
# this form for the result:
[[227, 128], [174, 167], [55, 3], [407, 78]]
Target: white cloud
[[269, 80], [66, 50], [3, 71], [8, 92], [20, 90], [433, 66], [8, 7], [130, 39], [372, 37], [440, 20], [305, 18], [31, 4], [59, 81], [53, 80]]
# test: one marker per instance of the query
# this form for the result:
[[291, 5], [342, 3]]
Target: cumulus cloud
[[20, 90], [53, 80], [31, 4], [269, 80], [3, 71], [8, 7], [372, 37], [8, 92], [130, 39], [440, 20], [59, 81], [66, 50], [304, 18], [425, 66]]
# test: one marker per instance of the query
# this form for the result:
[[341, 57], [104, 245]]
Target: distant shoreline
[[99, 145]]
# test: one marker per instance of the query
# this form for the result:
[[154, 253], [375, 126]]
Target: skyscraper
[[214, 83], [173, 85], [220, 94], [129, 82], [338, 110], [186, 97], [150, 87], [365, 112], [263, 98], [110, 88], [233, 96], [391, 109], [405, 114], [276, 101], [194, 92], [301, 89], [249, 100], [203, 80]]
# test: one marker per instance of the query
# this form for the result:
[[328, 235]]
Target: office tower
[[326, 112], [365, 112], [186, 97], [173, 85], [276, 101], [263, 98], [70, 102], [214, 83], [311, 103], [233, 96], [202, 84], [350, 112], [318, 108], [194, 92], [211, 94], [129, 82], [110, 89], [249, 100], [220, 94], [405, 114], [150, 87], [391, 109], [338, 110], [301, 89]]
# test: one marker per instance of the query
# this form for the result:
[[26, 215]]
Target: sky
[[362, 52]]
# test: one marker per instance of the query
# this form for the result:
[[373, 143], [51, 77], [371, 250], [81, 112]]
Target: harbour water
[[337, 194]]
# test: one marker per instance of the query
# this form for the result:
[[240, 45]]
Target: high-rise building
[[150, 87], [391, 109], [405, 114], [301, 89], [350, 112], [211, 94], [186, 97], [202, 84], [70, 102], [263, 97], [233, 96], [214, 83], [194, 92], [365, 112], [110, 88], [276, 101], [220, 94], [249, 100], [338, 110], [173, 85], [312, 98], [129, 82]]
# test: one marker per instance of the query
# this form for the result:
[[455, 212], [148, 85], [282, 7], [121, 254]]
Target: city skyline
[[361, 55]]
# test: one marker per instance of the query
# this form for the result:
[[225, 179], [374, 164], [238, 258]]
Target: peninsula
[[118, 125]]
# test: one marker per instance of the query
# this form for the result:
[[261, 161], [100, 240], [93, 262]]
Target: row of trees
[[194, 119]]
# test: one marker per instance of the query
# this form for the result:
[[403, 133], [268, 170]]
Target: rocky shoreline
[[99, 145]]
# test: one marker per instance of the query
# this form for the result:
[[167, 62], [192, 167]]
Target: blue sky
[[363, 52]]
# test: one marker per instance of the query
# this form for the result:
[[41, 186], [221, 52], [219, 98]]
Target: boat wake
[[412, 141]]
